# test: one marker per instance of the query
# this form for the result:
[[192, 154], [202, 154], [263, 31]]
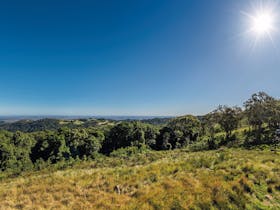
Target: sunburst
[[262, 21]]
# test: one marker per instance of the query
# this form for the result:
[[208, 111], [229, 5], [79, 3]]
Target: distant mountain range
[[41, 123], [15, 118]]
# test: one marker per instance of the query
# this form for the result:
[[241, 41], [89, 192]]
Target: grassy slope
[[226, 179]]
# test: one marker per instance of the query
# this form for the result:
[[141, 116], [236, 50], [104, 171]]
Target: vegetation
[[29, 126], [179, 133], [178, 179], [126, 163]]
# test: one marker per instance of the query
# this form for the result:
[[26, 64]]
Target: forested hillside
[[29, 126], [26, 145]]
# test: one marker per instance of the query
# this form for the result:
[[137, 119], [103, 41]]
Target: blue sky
[[148, 57]]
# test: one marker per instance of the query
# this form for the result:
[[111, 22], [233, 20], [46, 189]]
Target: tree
[[7, 157], [15, 151], [125, 134], [179, 132], [228, 118], [257, 110], [273, 116], [23, 144], [83, 142], [151, 133], [165, 139], [50, 146], [208, 125]]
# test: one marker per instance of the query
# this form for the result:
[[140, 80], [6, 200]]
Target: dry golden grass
[[225, 179]]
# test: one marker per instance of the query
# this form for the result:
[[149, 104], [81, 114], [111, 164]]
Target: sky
[[141, 57]]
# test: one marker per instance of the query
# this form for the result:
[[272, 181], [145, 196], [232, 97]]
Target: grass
[[220, 179]]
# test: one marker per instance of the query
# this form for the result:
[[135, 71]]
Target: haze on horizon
[[151, 57]]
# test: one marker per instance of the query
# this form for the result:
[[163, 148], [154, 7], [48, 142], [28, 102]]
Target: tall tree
[[228, 118], [274, 115], [179, 132], [257, 110], [127, 134]]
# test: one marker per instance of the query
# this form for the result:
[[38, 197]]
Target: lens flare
[[262, 22]]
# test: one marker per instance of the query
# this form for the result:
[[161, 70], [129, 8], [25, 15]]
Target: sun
[[262, 23]]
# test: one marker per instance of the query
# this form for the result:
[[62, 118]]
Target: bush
[[129, 151]]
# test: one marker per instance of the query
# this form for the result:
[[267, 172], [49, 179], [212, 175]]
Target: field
[[219, 179]]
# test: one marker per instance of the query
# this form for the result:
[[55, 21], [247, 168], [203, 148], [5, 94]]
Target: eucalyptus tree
[[258, 110], [228, 118]]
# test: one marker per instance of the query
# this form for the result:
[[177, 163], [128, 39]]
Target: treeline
[[28, 126], [31, 125], [256, 123]]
